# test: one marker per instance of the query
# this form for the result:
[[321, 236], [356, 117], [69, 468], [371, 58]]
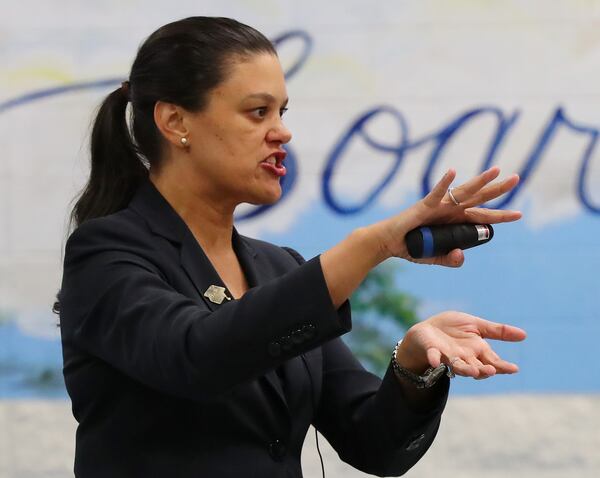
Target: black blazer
[[166, 383]]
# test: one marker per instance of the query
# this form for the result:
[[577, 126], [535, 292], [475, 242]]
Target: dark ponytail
[[116, 168], [179, 63]]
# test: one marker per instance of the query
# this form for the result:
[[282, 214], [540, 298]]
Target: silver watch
[[427, 380]]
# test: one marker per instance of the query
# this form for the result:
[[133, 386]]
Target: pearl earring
[[184, 141]]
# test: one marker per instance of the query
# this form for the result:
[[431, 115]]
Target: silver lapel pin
[[216, 294]]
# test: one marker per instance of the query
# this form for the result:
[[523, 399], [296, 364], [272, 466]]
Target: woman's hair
[[179, 63]]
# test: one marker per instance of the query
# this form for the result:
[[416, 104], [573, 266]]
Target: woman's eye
[[260, 112], [263, 111]]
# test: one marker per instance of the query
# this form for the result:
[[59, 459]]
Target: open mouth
[[274, 163]]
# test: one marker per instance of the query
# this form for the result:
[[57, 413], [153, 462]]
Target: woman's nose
[[279, 133]]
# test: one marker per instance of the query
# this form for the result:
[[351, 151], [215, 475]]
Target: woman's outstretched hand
[[458, 340], [347, 263], [438, 207]]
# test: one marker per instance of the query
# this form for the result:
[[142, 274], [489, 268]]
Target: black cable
[[300, 260], [312, 394], [319, 452]]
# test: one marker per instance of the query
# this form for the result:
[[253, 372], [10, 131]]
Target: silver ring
[[450, 373], [454, 200]]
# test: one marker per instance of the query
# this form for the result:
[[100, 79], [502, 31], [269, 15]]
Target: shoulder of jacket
[[274, 251], [121, 230]]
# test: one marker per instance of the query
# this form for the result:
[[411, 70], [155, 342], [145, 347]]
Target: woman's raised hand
[[457, 339], [442, 207], [347, 263]]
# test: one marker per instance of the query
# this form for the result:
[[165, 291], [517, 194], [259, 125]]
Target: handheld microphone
[[431, 241]]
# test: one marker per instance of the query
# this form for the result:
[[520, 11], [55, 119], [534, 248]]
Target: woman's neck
[[210, 220]]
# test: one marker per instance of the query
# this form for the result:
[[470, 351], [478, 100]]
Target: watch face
[[434, 374]]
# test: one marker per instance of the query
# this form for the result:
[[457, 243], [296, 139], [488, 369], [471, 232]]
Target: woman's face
[[236, 140]]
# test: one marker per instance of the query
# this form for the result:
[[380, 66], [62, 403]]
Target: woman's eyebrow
[[268, 97]]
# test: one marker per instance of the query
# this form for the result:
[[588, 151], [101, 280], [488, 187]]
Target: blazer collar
[[158, 213], [164, 221]]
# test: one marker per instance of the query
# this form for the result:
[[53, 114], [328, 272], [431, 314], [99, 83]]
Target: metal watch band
[[427, 380]]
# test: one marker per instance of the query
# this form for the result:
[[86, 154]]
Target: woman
[[190, 350]]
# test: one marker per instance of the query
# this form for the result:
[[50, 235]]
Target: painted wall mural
[[383, 98]]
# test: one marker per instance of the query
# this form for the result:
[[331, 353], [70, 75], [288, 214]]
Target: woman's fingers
[[483, 370], [464, 192], [496, 331], [472, 367], [491, 191], [438, 192], [458, 340], [474, 192], [434, 357], [485, 365], [491, 216], [454, 258], [461, 367], [477, 190], [501, 366]]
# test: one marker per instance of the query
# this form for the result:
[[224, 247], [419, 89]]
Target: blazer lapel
[[199, 269], [164, 221]]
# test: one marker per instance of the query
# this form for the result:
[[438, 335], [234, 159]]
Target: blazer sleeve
[[368, 420], [117, 306]]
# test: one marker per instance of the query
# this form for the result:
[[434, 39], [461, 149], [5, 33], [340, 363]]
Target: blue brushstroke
[[557, 122], [57, 91], [34, 96], [307, 42]]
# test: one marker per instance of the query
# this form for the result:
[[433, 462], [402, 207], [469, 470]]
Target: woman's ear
[[169, 120]]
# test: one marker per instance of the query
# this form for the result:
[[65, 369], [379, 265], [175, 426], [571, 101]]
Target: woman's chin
[[266, 197], [272, 195]]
